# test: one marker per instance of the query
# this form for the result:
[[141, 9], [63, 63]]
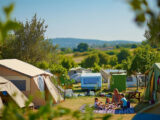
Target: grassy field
[[78, 58], [75, 103]]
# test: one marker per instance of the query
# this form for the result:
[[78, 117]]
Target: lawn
[[75, 103]]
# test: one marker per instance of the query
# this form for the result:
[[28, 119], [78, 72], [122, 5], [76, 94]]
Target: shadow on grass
[[141, 106], [79, 91], [106, 117]]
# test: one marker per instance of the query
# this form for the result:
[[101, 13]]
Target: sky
[[91, 19]]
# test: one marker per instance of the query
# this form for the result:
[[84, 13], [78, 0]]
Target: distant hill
[[73, 42]]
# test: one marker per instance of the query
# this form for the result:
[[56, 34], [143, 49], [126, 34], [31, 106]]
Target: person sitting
[[123, 101], [107, 100], [98, 105], [116, 96]]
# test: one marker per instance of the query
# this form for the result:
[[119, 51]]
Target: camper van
[[132, 81], [91, 81]]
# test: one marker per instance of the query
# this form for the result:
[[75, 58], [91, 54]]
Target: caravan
[[132, 81], [91, 81]]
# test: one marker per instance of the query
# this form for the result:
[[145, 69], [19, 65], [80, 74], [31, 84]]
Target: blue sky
[[95, 19]]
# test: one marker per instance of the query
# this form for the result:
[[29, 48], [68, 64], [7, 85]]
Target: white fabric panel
[[36, 81], [53, 90], [1, 104]]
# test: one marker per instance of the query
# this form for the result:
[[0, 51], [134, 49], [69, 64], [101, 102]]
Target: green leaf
[[8, 10]]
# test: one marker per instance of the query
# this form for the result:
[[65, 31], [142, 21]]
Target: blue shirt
[[124, 101]]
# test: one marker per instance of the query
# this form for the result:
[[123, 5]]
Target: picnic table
[[134, 95]]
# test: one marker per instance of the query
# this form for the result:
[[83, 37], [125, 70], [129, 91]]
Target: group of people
[[117, 100]]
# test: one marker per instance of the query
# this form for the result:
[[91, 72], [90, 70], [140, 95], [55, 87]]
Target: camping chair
[[128, 104]]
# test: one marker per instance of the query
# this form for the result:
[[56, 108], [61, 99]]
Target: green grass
[[75, 103]]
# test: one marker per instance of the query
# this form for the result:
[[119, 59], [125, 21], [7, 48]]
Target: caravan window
[[20, 84], [90, 80], [129, 79]]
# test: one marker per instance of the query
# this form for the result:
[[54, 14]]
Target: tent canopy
[[23, 67], [152, 86], [17, 96], [51, 88]]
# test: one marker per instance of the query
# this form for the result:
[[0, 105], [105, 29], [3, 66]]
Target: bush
[[55, 68], [68, 63], [123, 55], [43, 65], [96, 68], [90, 61]]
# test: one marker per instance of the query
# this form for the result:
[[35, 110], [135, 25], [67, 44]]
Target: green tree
[[66, 50], [144, 12], [43, 65], [134, 46], [126, 65], [152, 33], [113, 61], [57, 69], [90, 61], [96, 68], [123, 55], [103, 58], [119, 66], [68, 63], [82, 47], [117, 46], [144, 59], [28, 43]]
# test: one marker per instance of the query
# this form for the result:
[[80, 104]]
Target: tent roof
[[114, 71], [90, 75], [158, 65], [22, 67]]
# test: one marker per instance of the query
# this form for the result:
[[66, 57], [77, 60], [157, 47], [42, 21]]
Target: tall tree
[[123, 55], [144, 59], [28, 43]]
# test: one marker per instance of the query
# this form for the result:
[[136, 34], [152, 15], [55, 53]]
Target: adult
[[116, 96]]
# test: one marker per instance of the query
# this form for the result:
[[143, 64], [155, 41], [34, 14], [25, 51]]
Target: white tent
[[31, 80], [17, 96]]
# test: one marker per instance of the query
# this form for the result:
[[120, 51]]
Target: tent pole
[[137, 82]]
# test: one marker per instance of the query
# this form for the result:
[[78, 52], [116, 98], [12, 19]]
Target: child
[[107, 100], [123, 101], [97, 104]]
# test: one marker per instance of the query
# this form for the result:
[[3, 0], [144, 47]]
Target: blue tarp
[[146, 116]]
